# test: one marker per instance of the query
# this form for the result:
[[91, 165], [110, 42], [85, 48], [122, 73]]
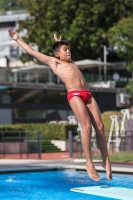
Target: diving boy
[[79, 97]]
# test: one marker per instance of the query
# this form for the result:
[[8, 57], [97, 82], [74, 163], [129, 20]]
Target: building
[[32, 93]]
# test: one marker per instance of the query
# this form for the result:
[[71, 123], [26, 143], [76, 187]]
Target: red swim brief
[[83, 94]]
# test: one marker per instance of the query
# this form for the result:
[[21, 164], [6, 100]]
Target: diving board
[[107, 191]]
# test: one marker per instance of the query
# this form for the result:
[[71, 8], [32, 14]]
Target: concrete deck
[[12, 166]]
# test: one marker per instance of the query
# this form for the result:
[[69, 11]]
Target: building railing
[[48, 76], [31, 77], [13, 12]]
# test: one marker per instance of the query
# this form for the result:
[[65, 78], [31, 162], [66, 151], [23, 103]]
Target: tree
[[83, 23], [121, 37], [9, 5], [129, 87]]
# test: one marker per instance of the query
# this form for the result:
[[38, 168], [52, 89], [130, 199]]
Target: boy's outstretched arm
[[41, 57]]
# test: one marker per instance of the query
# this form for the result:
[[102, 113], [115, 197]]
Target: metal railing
[[13, 12], [20, 144], [125, 144]]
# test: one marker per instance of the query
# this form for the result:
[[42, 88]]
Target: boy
[[80, 99]]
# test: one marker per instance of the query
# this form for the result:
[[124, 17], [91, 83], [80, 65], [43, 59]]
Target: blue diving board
[[107, 191]]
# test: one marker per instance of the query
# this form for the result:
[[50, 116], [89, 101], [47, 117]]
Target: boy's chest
[[67, 68]]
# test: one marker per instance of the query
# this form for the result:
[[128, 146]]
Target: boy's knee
[[87, 129], [101, 127]]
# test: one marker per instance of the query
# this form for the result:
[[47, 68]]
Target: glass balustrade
[[46, 77]]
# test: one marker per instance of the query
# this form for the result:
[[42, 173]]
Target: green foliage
[[119, 157], [83, 23], [107, 121], [6, 5], [48, 131], [122, 157], [129, 87], [47, 146], [121, 36], [130, 66]]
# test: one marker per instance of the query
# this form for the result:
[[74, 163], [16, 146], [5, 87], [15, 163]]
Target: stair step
[[48, 151], [47, 146]]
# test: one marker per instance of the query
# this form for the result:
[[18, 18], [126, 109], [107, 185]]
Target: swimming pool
[[54, 185]]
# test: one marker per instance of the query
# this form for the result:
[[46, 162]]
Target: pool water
[[54, 185]]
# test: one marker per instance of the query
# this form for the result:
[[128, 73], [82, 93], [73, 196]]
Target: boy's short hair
[[57, 45]]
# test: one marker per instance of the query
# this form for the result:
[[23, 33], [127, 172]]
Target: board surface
[[107, 191]]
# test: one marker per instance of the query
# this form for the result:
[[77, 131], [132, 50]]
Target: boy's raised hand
[[56, 39], [13, 34]]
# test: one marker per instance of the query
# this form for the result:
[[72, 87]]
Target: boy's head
[[61, 50]]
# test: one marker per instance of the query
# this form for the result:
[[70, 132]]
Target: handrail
[[11, 12]]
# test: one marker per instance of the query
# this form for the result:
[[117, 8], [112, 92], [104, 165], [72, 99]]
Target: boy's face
[[64, 53]]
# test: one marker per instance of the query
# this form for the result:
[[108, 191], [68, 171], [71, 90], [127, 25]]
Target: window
[[29, 114], [57, 97]]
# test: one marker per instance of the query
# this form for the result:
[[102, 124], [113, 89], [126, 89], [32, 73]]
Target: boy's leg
[[81, 112], [96, 120]]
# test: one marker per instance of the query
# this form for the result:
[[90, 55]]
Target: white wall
[[60, 144]]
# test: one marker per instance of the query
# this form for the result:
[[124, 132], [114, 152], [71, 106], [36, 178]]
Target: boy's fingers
[[9, 30], [56, 39], [55, 36]]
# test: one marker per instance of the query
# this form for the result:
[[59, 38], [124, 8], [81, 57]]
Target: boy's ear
[[57, 54]]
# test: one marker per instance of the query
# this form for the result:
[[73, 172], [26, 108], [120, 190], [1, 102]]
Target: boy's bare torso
[[70, 75]]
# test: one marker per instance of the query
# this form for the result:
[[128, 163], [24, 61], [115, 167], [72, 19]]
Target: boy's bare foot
[[106, 165], [92, 172]]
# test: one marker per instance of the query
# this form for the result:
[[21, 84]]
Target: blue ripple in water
[[54, 185]]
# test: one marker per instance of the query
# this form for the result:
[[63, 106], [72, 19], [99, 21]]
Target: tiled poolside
[[14, 165]]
